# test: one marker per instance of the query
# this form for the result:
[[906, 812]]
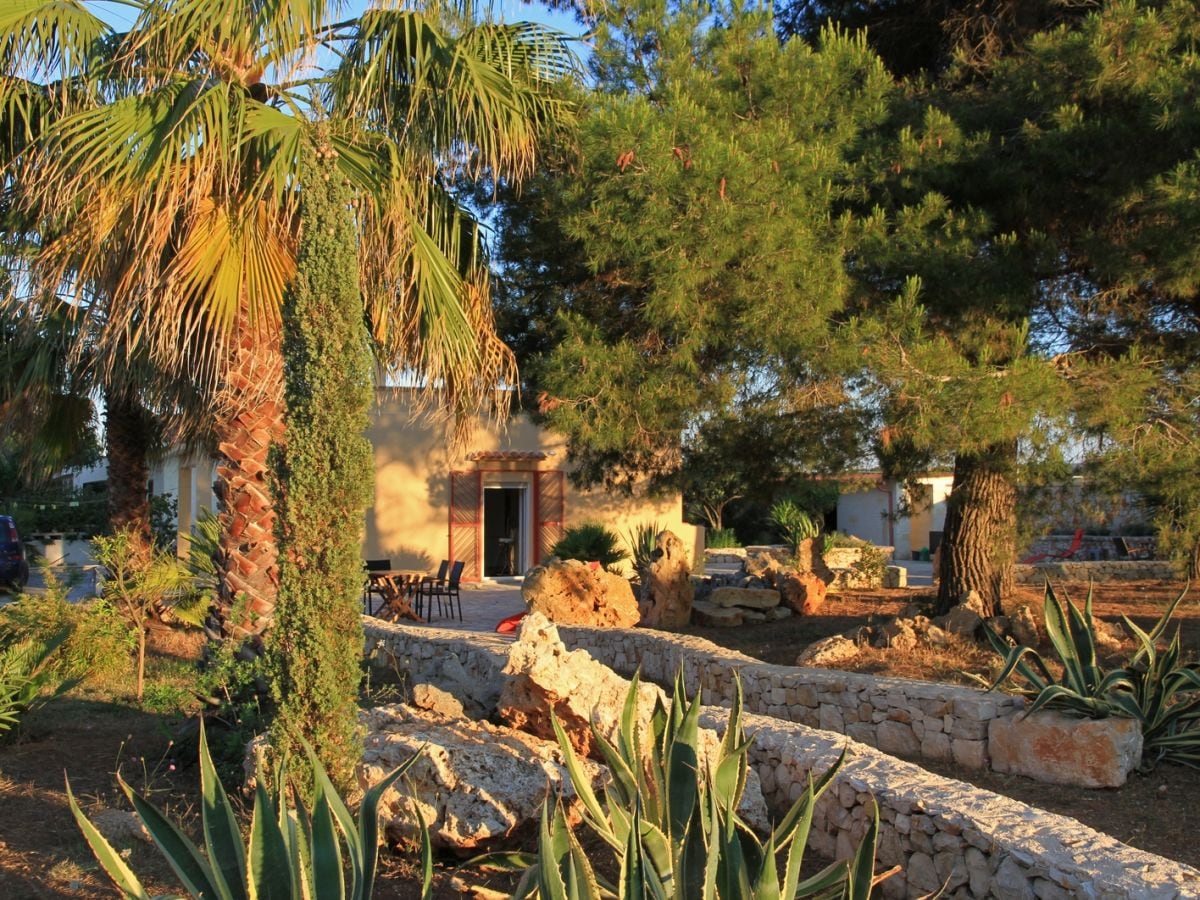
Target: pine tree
[[1028, 266], [323, 482], [683, 260]]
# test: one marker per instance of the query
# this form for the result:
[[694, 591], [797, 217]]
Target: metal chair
[[370, 587], [440, 577], [447, 588]]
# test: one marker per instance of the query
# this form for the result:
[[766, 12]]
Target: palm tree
[[168, 178]]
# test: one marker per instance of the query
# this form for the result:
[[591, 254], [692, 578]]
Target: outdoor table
[[397, 587]]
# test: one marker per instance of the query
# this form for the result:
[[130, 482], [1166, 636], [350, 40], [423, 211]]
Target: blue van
[[14, 567]]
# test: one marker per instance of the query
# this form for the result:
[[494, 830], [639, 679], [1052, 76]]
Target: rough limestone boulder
[[542, 675], [747, 598], [476, 785], [709, 615], [1024, 626], [898, 634], [803, 592], [763, 566], [667, 591], [829, 651], [1058, 749], [570, 592], [965, 618]]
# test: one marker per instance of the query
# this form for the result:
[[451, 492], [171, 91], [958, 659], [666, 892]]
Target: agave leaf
[[689, 866], [861, 872], [797, 820], [766, 884], [632, 880], [683, 771], [426, 857], [326, 867], [110, 860], [627, 733], [222, 839], [551, 848], [270, 875], [182, 855], [624, 782], [1059, 630], [657, 849], [823, 882], [366, 845], [581, 878], [579, 781]]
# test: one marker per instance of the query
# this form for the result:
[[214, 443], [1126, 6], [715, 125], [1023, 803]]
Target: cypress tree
[[323, 483]]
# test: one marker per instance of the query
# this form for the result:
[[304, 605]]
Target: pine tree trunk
[[249, 421], [979, 540], [127, 434], [1194, 562]]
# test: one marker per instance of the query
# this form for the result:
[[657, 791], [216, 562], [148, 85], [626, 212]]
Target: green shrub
[[672, 825], [100, 644], [29, 675], [590, 542], [1156, 687], [720, 538], [293, 849], [794, 524]]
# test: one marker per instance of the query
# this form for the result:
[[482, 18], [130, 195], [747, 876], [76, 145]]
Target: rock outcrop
[[475, 785], [542, 675], [570, 592], [803, 592], [667, 590]]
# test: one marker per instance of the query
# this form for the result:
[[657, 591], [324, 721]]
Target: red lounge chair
[[1076, 543]]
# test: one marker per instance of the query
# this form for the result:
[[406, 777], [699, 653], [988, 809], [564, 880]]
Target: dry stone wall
[[948, 836], [1105, 570], [910, 718], [943, 833]]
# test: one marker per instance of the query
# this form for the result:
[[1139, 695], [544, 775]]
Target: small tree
[[136, 584]]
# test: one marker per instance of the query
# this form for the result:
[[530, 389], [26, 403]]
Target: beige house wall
[[410, 520]]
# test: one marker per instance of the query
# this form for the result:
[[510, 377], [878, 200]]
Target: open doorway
[[503, 531]]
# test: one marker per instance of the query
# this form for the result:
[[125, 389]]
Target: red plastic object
[[509, 625]]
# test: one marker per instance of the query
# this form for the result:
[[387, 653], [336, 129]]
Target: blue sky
[[120, 15]]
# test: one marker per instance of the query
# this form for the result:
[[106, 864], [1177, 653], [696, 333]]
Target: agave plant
[[670, 818], [642, 538], [291, 851], [1156, 687], [796, 525]]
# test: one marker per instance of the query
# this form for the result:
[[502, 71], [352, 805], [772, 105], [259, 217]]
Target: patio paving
[[483, 606]]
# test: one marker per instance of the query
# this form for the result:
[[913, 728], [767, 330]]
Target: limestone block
[[896, 737], [895, 577], [712, 616], [779, 612], [750, 598], [570, 592], [828, 652], [474, 783], [1051, 747], [968, 753]]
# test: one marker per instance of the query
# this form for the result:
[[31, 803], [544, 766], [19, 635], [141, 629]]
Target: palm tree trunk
[[249, 422], [128, 430], [979, 541]]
